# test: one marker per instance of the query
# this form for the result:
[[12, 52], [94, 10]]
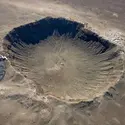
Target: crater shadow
[[33, 33]]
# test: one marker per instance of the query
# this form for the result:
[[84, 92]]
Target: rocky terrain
[[80, 81]]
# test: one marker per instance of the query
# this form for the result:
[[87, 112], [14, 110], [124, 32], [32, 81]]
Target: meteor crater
[[64, 59]]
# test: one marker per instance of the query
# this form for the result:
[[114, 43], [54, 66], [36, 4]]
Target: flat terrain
[[21, 104]]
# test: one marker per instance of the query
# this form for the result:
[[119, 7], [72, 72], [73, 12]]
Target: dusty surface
[[20, 103]]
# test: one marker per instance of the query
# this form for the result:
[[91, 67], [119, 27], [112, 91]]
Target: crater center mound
[[64, 59]]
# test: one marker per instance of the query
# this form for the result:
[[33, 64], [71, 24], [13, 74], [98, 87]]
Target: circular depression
[[64, 59]]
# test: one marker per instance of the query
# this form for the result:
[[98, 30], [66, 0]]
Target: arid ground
[[65, 62]]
